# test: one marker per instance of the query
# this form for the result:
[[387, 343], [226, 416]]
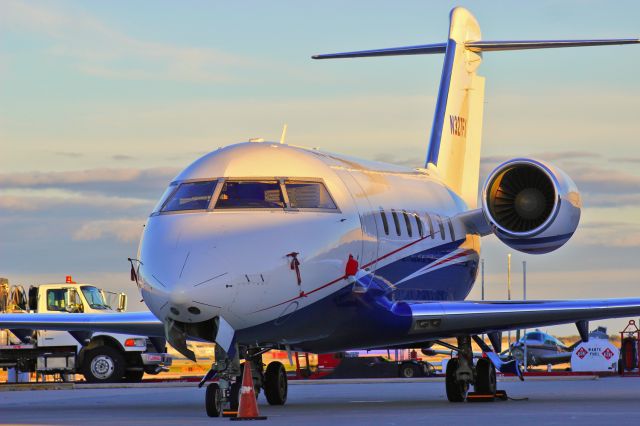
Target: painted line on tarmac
[[177, 384]]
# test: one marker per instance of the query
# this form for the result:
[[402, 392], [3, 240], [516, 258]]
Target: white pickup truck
[[100, 357]]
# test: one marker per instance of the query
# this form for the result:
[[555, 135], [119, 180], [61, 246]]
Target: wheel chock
[[229, 413], [500, 395]]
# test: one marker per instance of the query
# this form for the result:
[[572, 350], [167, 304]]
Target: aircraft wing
[[138, 323], [468, 317], [558, 358]]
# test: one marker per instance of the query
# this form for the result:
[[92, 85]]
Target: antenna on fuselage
[[284, 133]]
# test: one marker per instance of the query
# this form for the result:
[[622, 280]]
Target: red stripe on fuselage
[[363, 266]]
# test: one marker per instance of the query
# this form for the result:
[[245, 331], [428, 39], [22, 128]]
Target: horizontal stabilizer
[[489, 46], [477, 46], [423, 49]]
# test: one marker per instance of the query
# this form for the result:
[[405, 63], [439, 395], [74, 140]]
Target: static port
[[193, 310]]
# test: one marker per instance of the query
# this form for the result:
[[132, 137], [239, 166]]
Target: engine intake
[[531, 206], [521, 198]]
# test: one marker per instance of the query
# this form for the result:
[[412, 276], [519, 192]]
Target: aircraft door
[[369, 250]]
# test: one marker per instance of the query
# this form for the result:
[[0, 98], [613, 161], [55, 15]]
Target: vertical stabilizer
[[456, 135]]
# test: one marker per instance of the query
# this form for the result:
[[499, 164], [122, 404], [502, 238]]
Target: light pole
[[524, 297], [482, 272], [509, 295]]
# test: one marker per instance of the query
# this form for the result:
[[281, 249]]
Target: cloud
[[69, 154], [124, 230], [99, 50], [124, 182], [122, 157], [609, 234], [31, 203]]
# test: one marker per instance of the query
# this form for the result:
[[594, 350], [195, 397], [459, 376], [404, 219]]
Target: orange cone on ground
[[248, 408]]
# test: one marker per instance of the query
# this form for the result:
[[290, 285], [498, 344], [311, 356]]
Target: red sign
[[607, 353], [582, 352]]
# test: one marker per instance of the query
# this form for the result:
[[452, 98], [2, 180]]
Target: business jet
[[259, 246]]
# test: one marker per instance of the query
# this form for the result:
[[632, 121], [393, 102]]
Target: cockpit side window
[[250, 195], [165, 195], [191, 196], [308, 195]]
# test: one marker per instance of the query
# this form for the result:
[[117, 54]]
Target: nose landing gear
[[224, 393]]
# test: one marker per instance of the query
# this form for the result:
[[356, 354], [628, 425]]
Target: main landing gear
[[224, 393], [461, 374]]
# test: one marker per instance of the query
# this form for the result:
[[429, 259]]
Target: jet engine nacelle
[[531, 206]]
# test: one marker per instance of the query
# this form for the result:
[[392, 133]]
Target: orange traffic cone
[[248, 408]]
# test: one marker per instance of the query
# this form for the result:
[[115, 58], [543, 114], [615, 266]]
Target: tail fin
[[454, 146]]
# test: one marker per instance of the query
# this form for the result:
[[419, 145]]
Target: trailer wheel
[[407, 371], [103, 364]]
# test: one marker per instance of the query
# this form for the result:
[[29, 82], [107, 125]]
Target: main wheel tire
[[234, 394], [213, 400], [103, 364], [485, 377], [456, 391], [407, 371], [275, 384], [133, 376]]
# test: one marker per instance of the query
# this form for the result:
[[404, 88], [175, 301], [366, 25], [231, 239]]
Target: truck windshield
[[94, 297]]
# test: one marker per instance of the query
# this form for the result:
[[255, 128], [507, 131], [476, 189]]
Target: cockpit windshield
[[275, 193], [94, 297], [191, 196], [250, 195], [308, 195]]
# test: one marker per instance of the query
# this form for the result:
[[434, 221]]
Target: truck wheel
[[275, 384], [103, 364], [133, 376]]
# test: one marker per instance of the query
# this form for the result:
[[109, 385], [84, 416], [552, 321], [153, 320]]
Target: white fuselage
[[234, 262]]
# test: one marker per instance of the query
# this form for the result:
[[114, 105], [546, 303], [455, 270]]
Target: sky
[[103, 103]]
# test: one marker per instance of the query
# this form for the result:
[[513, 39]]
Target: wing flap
[[138, 323]]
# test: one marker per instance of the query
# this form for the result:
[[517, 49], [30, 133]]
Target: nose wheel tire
[[213, 400], [275, 384], [103, 364], [485, 377], [456, 390]]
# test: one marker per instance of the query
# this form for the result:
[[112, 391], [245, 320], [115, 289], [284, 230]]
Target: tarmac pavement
[[586, 401]]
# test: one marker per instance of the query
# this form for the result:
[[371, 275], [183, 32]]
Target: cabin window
[[407, 222], [430, 222], [191, 196], [308, 195], [441, 225], [419, 225], [385, 224], [250, 195], [451, 231], [396, 221]]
